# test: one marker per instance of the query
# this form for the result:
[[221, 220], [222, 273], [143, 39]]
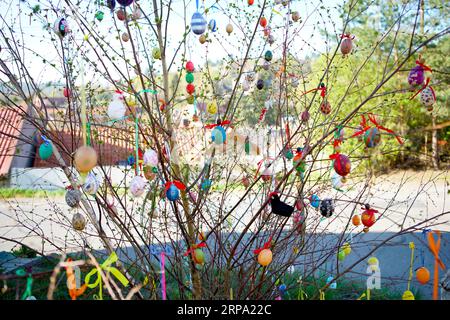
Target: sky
[[307, 41]]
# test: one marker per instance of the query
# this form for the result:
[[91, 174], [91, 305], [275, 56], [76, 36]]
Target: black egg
[[326, 207], [260, 84]]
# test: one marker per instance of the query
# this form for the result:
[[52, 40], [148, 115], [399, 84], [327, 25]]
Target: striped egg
[[212, 25], [198, 23]]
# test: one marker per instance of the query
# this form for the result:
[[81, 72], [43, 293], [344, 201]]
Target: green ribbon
[[88, 138], [146, 90], [27, 293], [105, 266]]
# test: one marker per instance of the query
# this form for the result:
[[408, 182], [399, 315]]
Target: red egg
[[342, 165], [66, 92], [190, 88], [263, 22], [190, 66], [368, 218], [250, 2], [121, 15], [325, 107], [346, 46]]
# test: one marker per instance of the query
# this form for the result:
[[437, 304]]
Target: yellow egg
[[408, 295], [212, 107], [373, 261], [346, 248]]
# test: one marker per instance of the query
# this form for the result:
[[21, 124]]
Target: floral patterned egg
[[78, 222], [427, 97], [73, 197], [137, 186], [416, 76]]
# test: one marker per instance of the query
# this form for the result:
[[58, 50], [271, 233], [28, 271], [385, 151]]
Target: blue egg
[[218, 135], [130, 160], [282, 287], [206, 184], [315, 201], [212, 25], [173, 193], [198, 23]]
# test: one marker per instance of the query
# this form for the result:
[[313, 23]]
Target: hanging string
[[434, 248], [83, 105], [412, 247]]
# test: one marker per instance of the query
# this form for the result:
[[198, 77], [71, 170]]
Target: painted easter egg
[[295, 16], [326, 207], [315, 201], [61, 27], [173, 193], [189, 66], [117, 107], [190, 88], [212, 107], [368, 218], [125, 36], [156, 53], [260, 84], [372, 137], [99, 15], [427, 98], [342, 165], [121, 15], [305, 116], [137, 186], [125, 3], [416, 76], [198, 23], [111, 4], [150, 158], [202, 39], [218, 135], [212, 25], [229, 28], [189, 77], [198, 256], [263, 22], [356, 220], [73, 197], [423, 275], [408, 295], [268, 55], [45, 150], [92, 184], [265, 257], [85, 159], [346, 46], [78, 222], [325, 107]]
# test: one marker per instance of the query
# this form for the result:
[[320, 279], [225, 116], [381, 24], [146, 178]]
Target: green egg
[[189, 77], [45, 150]]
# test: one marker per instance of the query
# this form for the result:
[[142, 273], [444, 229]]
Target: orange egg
[[356, 220], [85, 159], [346, 46], [423, 275], [198, 256], [265, 257], [263, 22]]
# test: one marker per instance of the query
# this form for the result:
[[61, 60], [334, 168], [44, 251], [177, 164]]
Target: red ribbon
[[374, 121], [178, 184], [336, 143], [426, 68], [210, 126], [194, 247], [263, 113], [421, 89], [267, 245], [370, 210], [334, 156], [323, 91]]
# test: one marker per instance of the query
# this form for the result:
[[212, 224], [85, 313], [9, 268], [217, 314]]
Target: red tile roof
[[11, 123]]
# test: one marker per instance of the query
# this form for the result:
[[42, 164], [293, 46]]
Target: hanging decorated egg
[[416, 76], [206, 184], [66, 92], [150, 172], [45, 150], [61, 27], [260, 84], [368, 217], [266, 65], [190, 88], [372, 137], [198, 23], [246, 182], [229, 28], [347, 44], [150, 158], [189, 66], [356, 220], [423, 275], [250, 2], [271, 39], [341, 255], [295, 16], [408, 295], [427, 98], [263, 22], [137, 13], [268, 55], [190, 99], [125, 36], [315, 201], [121, 15], [92, 183], [325, 107], [202, 39], [342, 164], [173, 190], [125, 3], [156, 53], [298, 161], [265, 257], [305, 116], [346, 248], [218, 135], [189, 77], [326, 207], [198, 256], [99, 15], [111, 4], [78, 222], [117, 107], [73, 197], [85, 159], [137, 186], [333, 285], [212, 107], [212, 25]]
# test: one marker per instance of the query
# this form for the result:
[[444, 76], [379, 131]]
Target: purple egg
[[305, 116], [125, 2], [416, 76]]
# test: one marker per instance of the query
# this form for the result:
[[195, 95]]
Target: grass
[[9, 193]]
